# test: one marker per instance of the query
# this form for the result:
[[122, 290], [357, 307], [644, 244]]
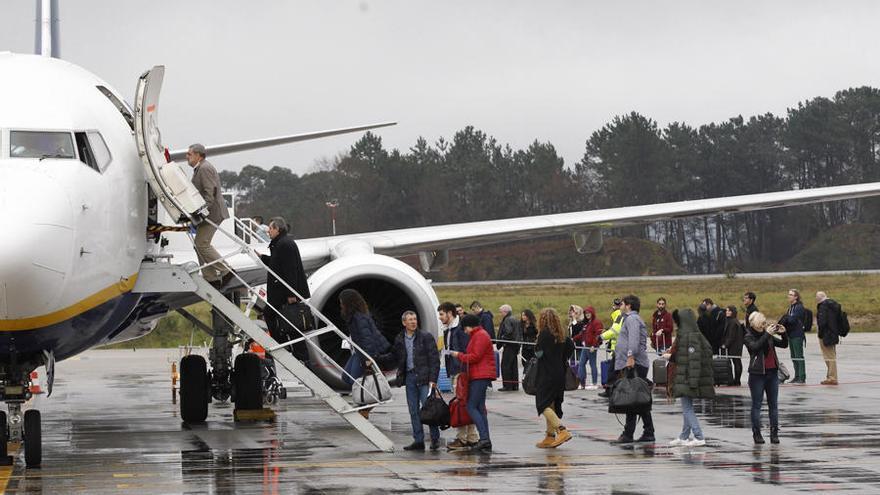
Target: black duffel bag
[[435, 412], [530, 378], [630, 394]]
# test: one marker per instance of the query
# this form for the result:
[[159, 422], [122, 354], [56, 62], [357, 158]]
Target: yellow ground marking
[[92, 301], [6, 471]]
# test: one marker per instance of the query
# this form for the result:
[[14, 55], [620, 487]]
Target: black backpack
[[808, 320], [843, 329]]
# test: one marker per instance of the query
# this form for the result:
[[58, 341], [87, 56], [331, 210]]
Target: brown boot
[[546, 442], [561, 437], [365, 413]]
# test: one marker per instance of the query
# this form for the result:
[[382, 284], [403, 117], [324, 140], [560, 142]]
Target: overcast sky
[[518, 70]]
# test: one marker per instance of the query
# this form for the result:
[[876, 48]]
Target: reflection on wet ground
[[118, 432]]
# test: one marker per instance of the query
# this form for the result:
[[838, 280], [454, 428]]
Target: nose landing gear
[[26, 429]]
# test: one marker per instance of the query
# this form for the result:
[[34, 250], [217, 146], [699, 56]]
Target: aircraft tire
[[4, 437], [33, 439], [247, 382], [194, 386]]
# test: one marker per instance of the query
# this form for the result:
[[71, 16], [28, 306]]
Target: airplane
[[80, 187]]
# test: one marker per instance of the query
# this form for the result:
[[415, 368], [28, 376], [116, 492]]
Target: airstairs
[[163, 276]]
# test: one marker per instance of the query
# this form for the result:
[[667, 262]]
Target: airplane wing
[[222, 149], [410, 241]]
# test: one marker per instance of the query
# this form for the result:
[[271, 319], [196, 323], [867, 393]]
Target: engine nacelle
[[389, 286]]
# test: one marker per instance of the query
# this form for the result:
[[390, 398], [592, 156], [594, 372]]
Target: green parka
[[692, 355]]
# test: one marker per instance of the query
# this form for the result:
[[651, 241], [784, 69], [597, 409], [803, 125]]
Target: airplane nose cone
[[36, 243]]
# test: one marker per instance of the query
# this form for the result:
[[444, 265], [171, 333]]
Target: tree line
[[631, 160]]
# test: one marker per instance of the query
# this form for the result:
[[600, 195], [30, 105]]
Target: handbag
[[571, 379], [435, 412], [630, 394], [782, 372], [530, 379], [462, 385], [300, 315], [458, 415], [371, 388]]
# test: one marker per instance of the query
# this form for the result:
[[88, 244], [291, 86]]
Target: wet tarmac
[[111, 427]]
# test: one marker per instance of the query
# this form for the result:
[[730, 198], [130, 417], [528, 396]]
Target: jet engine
[[389, 286]]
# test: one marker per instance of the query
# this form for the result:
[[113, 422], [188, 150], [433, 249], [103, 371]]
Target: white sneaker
[[678, 442], [697, 442], [591, 387]]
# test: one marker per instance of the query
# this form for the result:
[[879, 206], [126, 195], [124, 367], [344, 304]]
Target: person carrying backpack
[[832, 325]]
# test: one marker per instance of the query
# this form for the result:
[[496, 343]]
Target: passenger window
[[99, 150], [85, 151], [120, 106], [40, 144]]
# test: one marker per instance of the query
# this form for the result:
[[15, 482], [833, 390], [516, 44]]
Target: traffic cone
[[35, 383]]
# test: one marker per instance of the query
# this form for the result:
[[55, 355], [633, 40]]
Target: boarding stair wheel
[[195, 389], [247, 382]]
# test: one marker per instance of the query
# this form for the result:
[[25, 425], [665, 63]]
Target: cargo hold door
[[166, 178]]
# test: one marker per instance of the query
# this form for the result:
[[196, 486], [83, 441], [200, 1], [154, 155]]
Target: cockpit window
[[41, 144]]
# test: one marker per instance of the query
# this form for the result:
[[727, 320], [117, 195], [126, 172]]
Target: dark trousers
[[476, 406], [796, 346], [416, 396], [509, 367], [647, 421], [764, 384]]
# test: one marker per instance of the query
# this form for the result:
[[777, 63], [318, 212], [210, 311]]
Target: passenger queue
[[696, 351]]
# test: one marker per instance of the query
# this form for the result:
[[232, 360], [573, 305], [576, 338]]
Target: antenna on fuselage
[[46, 40]]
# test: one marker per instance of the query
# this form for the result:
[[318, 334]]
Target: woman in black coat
[[732, 344], [552, 350], [530, 334]]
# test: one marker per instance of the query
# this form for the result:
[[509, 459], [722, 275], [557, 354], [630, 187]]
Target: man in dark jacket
[[749, 299], [711, 323], [486, 318], [285, 260], [828, 322], [418, 366], [509, 330]]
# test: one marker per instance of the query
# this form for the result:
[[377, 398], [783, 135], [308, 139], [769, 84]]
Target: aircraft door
[[166, 178]]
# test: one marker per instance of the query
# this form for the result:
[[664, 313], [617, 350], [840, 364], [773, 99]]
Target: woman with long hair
[[552, 350], [794, 327], [530, 334], [732, 344], [363, 332]]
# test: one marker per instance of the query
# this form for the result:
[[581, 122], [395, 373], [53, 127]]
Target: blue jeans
[[355, 367], [759, 385], [416, 395], [476, 406], [587, 355], [691, 423]]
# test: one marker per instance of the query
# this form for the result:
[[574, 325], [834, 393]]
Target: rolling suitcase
[[658, 368], [606, 368], [722, 370]]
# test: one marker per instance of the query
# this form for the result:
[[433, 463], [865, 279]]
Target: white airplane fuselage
[[73, 235]]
